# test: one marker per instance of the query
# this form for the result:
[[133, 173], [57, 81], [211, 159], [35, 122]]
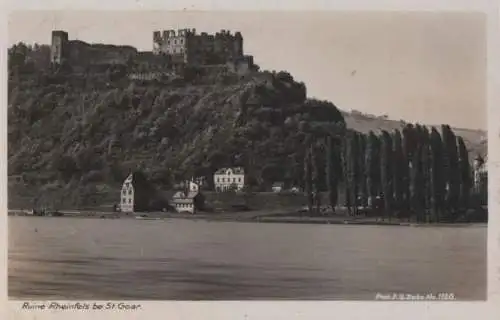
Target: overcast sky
[[426, 67]]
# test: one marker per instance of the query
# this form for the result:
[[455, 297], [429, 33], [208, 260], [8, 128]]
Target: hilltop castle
[[199, 49], [184, 47], [75, 52]]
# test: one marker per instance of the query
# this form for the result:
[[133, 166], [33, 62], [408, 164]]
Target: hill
[[73, 138], [475, 140], [76, 134]]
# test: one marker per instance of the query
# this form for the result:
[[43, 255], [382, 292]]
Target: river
[[73, 258]]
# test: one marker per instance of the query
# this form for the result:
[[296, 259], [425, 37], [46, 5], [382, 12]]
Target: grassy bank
[[102, 198], [257, 216]]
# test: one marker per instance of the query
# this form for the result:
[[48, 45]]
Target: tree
[[399, 170], [408, 150], [353, 170], [66, 166], [386, 172], [416, 184], [426, 165], [372, 168], [332, 171], [345, 160], [316, 177], [451, 170], [308, 175], [361, 169], [436, 175], [465, 174]]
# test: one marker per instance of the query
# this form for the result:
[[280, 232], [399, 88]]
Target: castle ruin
[[183, 47], [76, 52], [188, 47]]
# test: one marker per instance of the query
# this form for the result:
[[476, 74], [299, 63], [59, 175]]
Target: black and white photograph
[[247, 156]]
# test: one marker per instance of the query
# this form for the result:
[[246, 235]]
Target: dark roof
[[137, 178], [236, 170]]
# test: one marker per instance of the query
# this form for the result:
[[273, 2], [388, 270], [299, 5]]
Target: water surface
[[71, 258]]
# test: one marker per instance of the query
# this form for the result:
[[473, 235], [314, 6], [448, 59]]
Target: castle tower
[[157, 42], [238, 44], [59, 47]]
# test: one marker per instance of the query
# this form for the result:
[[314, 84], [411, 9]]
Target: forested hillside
[[73, 136]]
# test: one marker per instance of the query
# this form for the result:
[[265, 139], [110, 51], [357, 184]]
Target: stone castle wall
[[172, 50], [187, 46]]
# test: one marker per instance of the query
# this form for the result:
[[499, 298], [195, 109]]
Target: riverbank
[[258, 216]]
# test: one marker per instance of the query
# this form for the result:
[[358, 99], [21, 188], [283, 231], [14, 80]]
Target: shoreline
[[260, 216]]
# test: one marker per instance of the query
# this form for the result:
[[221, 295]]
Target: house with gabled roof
[[188, 200], [136, 193], [226, 179]]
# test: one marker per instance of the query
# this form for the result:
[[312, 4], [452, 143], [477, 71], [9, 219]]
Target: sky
[[427, 67]]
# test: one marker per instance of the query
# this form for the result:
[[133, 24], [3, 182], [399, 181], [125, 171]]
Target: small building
[[295, 189], [188, 200], [227, 179], [278, 186], [136, 193]]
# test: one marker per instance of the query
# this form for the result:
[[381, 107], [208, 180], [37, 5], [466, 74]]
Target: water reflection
[[184, 260]]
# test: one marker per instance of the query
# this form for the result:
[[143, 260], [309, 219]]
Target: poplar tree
[[408, 147], [386, 172], [465, 174], [353, 164], [416, 183], [451, 169], [346, 145], [399, 170], [361, 169], [371, 168], [332, 170], [316, 178], [436, 175], [308, 174], [425, 163]]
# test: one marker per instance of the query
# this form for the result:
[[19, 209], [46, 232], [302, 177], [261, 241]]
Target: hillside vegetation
[[73, 137], [475, 140], [83, 136]]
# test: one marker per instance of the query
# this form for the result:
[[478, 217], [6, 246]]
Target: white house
[[229, 179], [127, 195], [188, 200], [278, 186], [135, 194]]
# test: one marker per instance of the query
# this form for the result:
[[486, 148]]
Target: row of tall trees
[[415, 172]]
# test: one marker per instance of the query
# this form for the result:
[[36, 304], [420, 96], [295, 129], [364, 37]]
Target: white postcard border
[[290, 309]]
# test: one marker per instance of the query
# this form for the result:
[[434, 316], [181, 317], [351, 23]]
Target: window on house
[[130, 192], [234, 179], [129, 200], [239, 179], [223, 179], [124, 192]]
